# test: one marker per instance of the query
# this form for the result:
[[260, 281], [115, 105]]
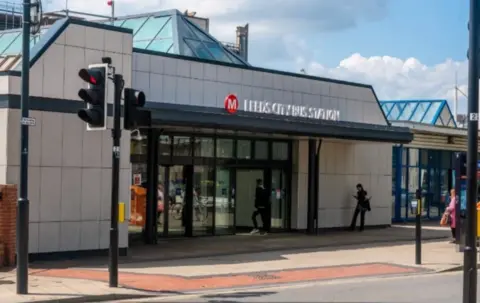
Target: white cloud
[[394, 78], [270, 17], [286, 24]]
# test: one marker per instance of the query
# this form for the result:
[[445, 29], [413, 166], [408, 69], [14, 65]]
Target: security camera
[[138, 136]]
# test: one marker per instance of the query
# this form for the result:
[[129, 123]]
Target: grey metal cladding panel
[[187, 82], [141, 81], [229, 75]]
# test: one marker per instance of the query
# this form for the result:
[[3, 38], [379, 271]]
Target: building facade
[[426, 163], [218, 125]]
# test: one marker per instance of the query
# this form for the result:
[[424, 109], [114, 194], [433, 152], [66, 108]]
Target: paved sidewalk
[[172, 249], [329, 256], [51, 289]]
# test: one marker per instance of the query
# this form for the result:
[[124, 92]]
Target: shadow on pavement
[[245, 294], [92, 298], [247, 248]]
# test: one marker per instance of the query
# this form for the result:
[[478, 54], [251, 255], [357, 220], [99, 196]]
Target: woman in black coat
[[361, 208]]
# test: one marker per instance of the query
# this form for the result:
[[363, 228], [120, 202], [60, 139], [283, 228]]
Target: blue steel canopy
[[172, 32], [432, 112]]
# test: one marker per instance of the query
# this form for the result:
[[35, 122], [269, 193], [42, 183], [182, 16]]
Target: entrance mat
[[169, 283]]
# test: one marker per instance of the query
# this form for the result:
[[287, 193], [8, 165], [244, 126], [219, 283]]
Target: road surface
[[438, 288]]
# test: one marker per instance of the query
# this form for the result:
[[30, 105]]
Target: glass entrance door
[[245, 197], [203, 200], [279, 199], [225, 202], [171, 188]]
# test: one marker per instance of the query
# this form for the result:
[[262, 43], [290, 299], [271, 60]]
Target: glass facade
[[206, 184], [432, 112], [172, 32], [430, 171]]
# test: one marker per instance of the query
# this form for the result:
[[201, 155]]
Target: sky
[[406, 49]]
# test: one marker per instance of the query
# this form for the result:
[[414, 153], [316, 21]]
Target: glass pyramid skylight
[[171, 32], [432, 112]]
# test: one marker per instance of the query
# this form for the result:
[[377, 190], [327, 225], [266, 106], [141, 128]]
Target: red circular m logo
[[231, 104]]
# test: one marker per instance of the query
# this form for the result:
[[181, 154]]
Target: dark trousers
[[362, 218], [264, 215], [453, 232]]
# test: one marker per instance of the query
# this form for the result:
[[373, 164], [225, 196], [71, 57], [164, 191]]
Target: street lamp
[[36, 15], [470, 253], [32, 15]]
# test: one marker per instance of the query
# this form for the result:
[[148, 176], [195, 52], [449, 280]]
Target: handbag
[[446, 220], [365, 205]]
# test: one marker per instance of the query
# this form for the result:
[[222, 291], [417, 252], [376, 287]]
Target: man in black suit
[[262, 205]]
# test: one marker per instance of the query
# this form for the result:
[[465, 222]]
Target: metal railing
[[10, 15], [232, 47]]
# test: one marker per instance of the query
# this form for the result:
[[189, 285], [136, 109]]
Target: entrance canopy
[[202, 117]]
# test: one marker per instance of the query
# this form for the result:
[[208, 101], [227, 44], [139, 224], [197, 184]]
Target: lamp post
[[31, 24], [470, 256]]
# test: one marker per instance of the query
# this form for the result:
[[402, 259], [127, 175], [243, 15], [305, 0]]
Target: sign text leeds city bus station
[[303, 111], [289, 110]]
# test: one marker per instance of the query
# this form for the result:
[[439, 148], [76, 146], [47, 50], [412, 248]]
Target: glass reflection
[[244, 149], [182, 146], [278, 199], [224, 203], [280, 151], [164, 146], [204, 147], [203, 189], [138, 199], [176, 199], [261, 150], [225, 148]]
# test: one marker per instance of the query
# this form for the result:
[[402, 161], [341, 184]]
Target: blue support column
[[398, 183]]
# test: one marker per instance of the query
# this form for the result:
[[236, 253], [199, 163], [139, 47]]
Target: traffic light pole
[[116, 135], [23, 203], [470, 256]]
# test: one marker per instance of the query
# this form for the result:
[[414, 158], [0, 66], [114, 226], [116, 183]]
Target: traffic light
[[134, 116], [94, 96]]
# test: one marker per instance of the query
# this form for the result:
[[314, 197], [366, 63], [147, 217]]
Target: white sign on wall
[[290, 110]]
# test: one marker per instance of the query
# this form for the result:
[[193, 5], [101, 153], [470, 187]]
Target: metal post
[[317, 185], [113, 12], [116, 134], [470, 256], [23, 203], [418, 229]]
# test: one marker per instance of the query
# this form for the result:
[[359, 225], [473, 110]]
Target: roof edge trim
[[380, 107], [57, 28], [164, 114]]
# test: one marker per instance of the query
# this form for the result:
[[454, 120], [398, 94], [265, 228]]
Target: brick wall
[[8, 215]]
